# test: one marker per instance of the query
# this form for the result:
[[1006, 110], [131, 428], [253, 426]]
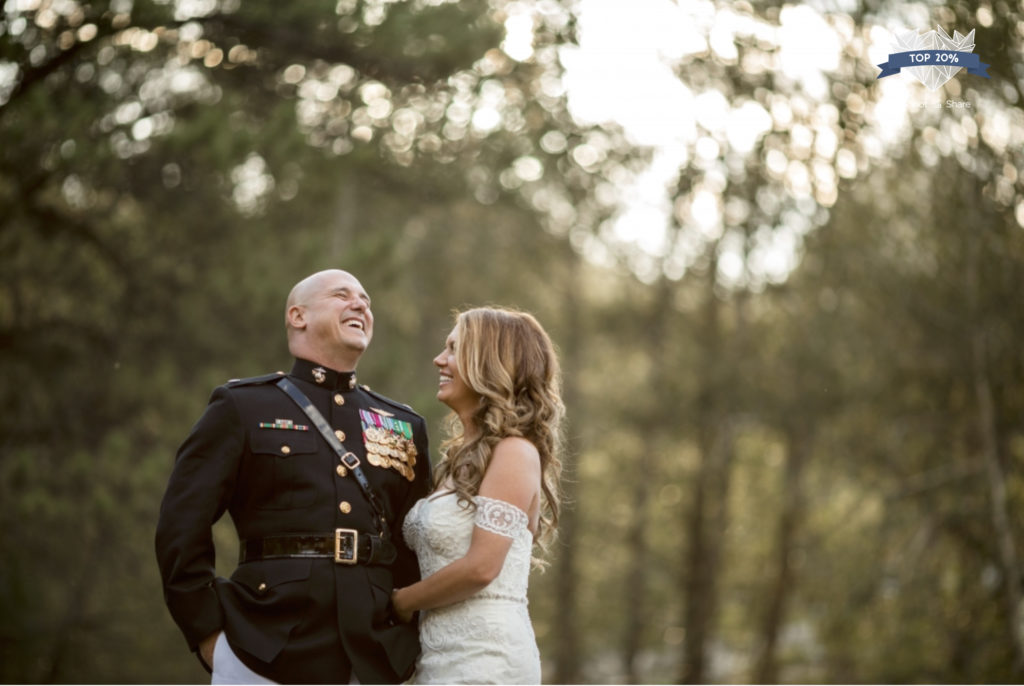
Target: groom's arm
[[198, 492]]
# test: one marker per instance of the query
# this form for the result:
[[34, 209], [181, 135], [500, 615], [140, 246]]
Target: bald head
[[303, 291], [328, 319]]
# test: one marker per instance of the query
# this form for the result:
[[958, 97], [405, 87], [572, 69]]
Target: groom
[[321, 544]]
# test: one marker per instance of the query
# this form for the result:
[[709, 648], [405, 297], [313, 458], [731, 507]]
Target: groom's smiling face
[[335, 312]]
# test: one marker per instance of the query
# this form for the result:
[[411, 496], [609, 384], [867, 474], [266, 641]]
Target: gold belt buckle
[[346, 548]]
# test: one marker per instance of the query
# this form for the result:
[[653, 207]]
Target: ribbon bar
[[933, 58]]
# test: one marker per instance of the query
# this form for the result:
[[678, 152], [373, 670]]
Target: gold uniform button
[[262, 587], [339, 399], [340, 434], [285, 449], [341, 470], [345, 507]]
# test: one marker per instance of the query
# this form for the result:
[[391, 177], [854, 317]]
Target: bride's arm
[[512, 476]]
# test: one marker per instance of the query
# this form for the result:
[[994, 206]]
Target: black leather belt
[[344, 546]]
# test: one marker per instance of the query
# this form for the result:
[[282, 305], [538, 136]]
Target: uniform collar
[[325, 377]]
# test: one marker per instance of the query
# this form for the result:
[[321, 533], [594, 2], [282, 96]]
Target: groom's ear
[[296, 317]]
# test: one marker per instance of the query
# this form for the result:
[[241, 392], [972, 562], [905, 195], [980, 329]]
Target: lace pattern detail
[[487, 638], [500, 517]]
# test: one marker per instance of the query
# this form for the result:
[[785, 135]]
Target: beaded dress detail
[[487, 638]]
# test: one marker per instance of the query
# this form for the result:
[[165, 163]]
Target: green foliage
[[164, 180]]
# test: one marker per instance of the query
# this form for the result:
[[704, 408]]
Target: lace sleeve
[[500, 517]]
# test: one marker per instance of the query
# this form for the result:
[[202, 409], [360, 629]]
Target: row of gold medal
[[389, 450]]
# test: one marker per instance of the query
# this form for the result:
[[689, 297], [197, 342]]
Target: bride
[[496, 494]]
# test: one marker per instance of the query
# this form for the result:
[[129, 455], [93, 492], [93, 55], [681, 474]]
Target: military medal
[[286, 424], [389, 442]]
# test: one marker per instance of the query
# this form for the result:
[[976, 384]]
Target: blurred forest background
[[778, 472]]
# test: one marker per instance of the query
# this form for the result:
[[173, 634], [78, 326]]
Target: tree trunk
[[988, 432], [767, 668], [635, 591], [657, 414], [707, 515], [708, 518], [997, 496], [567, 649]]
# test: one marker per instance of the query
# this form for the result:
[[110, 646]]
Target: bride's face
[[452, 388]]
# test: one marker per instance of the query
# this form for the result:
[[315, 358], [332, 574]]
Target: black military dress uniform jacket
[[255, 454]]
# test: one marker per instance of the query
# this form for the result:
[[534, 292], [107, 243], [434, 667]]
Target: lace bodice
[[487, 638], [439, 529]]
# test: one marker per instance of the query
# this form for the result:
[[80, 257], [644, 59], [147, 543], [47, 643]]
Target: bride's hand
[[401, 611]]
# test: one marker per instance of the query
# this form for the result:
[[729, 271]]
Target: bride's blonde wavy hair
[[507, 358]]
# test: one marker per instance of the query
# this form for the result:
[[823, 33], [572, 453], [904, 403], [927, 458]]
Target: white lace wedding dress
[[487, 638]]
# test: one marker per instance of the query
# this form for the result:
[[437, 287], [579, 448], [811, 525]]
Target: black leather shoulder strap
[[348, 458]]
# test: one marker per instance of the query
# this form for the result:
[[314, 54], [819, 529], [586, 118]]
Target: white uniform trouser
[[228, 669]]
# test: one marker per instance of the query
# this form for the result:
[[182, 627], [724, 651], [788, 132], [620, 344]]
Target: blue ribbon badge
[[933, 58]]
